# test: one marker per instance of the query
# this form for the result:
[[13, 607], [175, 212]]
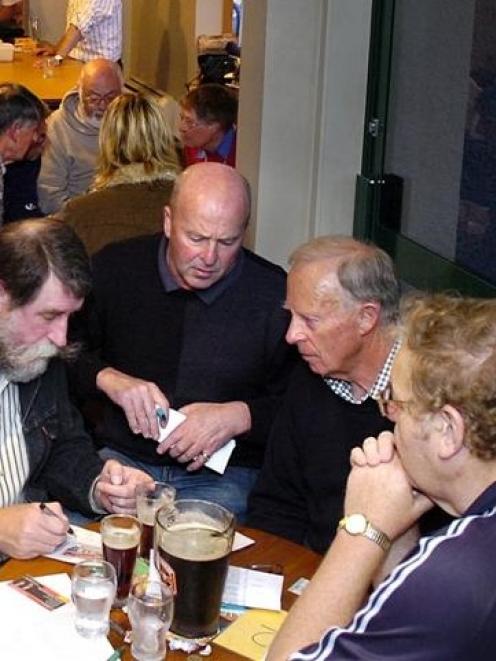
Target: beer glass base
[[199, 642]]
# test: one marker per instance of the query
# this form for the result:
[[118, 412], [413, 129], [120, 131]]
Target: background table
[[51, 90], [295, 560]]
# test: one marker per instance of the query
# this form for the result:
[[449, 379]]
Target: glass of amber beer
[[193, 540], [148, 501], [120, 539]]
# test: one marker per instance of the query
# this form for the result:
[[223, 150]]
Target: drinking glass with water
[[94, 584], [150, 608]]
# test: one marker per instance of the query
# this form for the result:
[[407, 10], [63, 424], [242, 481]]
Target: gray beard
[[20, 364], [25, 363]]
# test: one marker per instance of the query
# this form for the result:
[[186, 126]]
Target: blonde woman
[[136, 169]]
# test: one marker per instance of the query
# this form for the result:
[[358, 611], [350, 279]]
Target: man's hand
[[25, 531], [379, 487], [44, 49], [115, 490], [138, 399], [207, 427]]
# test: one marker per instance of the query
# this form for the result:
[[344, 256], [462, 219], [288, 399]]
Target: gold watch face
[[356, 524]]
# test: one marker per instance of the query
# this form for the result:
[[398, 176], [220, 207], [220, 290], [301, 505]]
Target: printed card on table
[[252, 633]]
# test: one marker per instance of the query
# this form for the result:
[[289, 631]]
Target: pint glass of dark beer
[[120, 539], [193, 540], [148, 501]]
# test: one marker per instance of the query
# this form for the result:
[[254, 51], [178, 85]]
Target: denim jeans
[[229, 490]]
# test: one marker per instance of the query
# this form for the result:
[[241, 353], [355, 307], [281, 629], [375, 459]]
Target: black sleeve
[[280, 362], [87, 328], [278, 503]]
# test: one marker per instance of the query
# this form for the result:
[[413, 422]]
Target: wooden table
[[51, 90], [296, 562]]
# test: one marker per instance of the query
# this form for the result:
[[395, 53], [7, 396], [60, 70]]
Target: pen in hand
[[46, 510]]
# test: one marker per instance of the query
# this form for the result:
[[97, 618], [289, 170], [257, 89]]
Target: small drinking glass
[[120, 539], [148, 502], [150, 610], [48, 66], [94, 585]]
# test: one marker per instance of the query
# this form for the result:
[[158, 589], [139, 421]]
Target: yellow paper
[[252, 633]]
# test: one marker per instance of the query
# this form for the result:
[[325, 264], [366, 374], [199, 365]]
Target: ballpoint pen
[[46, 510]]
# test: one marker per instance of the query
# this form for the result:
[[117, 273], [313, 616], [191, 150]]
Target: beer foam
[[146, 515], [123, 539], [194, 540]]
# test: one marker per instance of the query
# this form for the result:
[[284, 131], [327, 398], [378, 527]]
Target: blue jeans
[[229, 490]]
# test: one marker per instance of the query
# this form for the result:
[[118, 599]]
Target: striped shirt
[[14, 464], [439, 604], [100, 23]]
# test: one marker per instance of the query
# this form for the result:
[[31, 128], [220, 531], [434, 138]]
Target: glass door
[[427, 189]]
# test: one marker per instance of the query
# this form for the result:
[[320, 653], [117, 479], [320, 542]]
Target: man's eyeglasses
[[188, 123], [388, 407], [97, 99]]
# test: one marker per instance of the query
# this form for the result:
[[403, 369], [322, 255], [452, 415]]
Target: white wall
[[51, 18], [302, 104]]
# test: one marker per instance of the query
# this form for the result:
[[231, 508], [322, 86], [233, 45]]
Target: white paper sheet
[[253, 589], [29, 631], [83, 545], [218, 461], [241, 541]]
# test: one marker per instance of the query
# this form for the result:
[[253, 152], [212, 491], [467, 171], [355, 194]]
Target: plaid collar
[[344, 388]]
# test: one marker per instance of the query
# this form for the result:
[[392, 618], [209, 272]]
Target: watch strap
[[368, 531], [377, 536]]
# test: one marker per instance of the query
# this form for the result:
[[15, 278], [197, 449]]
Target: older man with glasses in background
[[69, 161], [207, 124]]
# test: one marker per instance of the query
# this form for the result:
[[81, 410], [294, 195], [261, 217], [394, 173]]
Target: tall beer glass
[[148, 501], [193, 540], [120, 539]]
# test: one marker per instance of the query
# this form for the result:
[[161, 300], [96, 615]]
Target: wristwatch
[[358, 524]]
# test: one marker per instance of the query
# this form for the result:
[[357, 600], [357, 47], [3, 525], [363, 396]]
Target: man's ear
[[369, 317], [452, 432], [167, 221]]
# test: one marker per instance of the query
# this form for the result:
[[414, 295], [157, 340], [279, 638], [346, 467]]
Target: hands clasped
[[379, 487], [115, 490]]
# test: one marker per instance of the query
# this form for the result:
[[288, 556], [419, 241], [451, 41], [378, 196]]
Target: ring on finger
[[205, 456]]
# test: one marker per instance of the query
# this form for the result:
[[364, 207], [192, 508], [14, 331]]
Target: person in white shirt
[[93, 30]]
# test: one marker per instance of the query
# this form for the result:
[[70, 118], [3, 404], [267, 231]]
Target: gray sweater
[[69, 160]]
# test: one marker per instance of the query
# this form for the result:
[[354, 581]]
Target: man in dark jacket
[[45, 454], [194, 321]]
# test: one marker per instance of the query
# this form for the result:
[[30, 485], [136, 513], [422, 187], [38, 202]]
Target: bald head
[[213, 183], [100, 82], [205, 223]]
